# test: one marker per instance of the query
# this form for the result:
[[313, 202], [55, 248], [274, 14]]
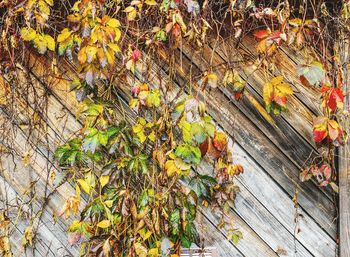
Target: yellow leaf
[[267, 93], [77, 191], [104, 180], [74, 226], [153, 252], [91, 53], [151, 2], [171, 168], [76, 6], [110, 57], [40, 43], [212, 80], [114, 47], [65, 34], [30, 3], [50, 42], [152, 136], [285, 89], [109, 203], [28, 34], [117, 34], [114, 23], [44, 8], [131, 11], [84, 185], [140, 250], [277, 80], [104, 224]]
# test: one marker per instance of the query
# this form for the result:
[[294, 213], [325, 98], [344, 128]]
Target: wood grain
[[344, 163]]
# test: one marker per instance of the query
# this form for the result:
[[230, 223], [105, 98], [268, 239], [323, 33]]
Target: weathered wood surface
[[264, 211], [344, 162]]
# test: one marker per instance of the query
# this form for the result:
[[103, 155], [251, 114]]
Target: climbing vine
[[139, 177]]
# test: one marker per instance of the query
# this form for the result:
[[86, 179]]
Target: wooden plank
[[270, 195], [344, 161]]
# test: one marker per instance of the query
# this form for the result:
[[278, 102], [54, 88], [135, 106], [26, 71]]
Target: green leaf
[[185, 242], [175, 221], [90, 142], [190, 154], [198, 132]]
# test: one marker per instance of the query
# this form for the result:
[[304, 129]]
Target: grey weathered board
[[264, 211], [344, 162]]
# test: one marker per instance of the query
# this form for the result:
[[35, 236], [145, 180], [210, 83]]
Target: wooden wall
[[272, 156]]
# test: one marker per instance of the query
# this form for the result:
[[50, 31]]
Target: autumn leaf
[[212, 80], [275, 95], [64, 35], [104, 224], [220, 141], [311, 75], [324, 127], [28, 34], [104, 180], [50, 42], [333, 98], [84, 185]]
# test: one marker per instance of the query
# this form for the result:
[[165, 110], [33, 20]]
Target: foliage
[[275, 95], [127, 196], [138, 173]]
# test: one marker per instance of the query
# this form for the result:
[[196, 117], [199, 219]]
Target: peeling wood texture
[[344, 164], [272, 156]]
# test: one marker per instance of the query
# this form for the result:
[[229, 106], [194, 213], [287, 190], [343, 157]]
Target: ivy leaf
[[150, 2], [104, 179], [141, 251], [198, 132], [84, 185], [333, 98], [175, 222], [220, 141], [212, 80], [28, 34], [93, 139], [326, 128], [312, 75], [64, 35], [104, 224], [275, 95], [320, 129], [50, 42], [190, 154]]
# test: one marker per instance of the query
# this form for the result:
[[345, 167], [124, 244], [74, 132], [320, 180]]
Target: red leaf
[[220, 141], [261, 34], [326, 170], [319, 135], [136, 55], [335, 99]]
